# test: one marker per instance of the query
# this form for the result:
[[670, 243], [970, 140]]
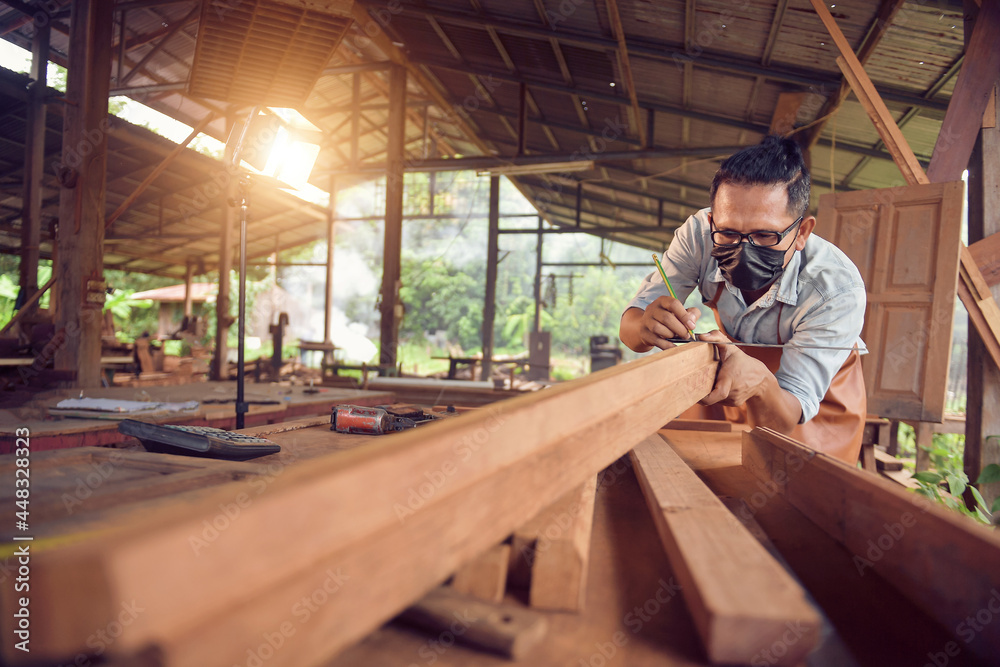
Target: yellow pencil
[[663, 274]]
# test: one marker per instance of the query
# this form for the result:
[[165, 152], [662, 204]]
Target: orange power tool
[[377, 420]]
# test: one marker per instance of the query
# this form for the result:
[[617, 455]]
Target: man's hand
[[665, 318], [740, 376]]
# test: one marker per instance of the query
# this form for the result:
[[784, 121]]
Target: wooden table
[[634, 616], [217, 409]]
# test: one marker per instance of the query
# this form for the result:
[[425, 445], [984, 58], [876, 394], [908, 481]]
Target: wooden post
[[522, 120], [331, 217], [188, 275], [982, 420], [80, 239], [355, 117], [220, 364], [538, 278], [34, 164], [391, 308], [490, 297]]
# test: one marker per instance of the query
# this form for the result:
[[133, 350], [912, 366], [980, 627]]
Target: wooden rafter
[[626, 69], [887, 11]]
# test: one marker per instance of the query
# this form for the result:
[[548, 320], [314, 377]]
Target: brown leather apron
[[839, 425]]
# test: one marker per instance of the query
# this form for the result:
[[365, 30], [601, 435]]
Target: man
[[768, 279]]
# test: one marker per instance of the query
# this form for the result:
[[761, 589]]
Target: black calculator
[[203, 441]]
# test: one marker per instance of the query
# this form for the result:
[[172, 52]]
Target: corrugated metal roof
[[710, 78]]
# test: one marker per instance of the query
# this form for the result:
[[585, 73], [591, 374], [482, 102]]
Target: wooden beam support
[[34, 164], [936, 558], [982, 424], [439, 495], [391, 308], [626, 69], [485, 576], [159, 169], [979, 75], [741, 599], [80, 261], [561, 551], [490, 294]]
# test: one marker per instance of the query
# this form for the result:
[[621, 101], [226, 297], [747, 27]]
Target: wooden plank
[[785, 112], [905, 242], [973, 90], [886, 461], [978, 299], [562, 552], [509, 630], [986, 255], [941, 561], [741, 599], [884, 123], [485, 576], [439, 494], [716, 425]]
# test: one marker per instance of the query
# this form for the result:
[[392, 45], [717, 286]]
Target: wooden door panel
[[905, 242]]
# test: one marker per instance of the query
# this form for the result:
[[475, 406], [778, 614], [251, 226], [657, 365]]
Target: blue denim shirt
[[821, 289]]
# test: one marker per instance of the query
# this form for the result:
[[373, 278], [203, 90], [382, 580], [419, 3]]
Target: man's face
[[760, 208]]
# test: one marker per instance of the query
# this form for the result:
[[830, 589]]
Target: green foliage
[[946, 482], [441, 297]]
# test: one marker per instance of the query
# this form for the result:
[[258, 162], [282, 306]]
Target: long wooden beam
[[741, 599], [941, 561], [369, 530]]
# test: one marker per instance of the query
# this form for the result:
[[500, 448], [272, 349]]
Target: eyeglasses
[[731, 239]]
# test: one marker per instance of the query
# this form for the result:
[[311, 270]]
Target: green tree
[[439, 296]]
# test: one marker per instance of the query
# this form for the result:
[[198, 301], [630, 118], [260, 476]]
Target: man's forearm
[[776, 408], [628, 330]]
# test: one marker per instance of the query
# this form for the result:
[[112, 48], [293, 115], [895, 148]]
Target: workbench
[[216, 409], [634, 615]]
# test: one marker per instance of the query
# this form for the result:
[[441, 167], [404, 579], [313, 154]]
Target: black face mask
[[749, 267]]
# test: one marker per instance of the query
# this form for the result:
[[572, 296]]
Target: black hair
[[775, 160]]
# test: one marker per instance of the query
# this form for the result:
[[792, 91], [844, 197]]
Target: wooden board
[[484, 577], [943, 562], [561, 551], [905, 242], [741, 599], [440, 495], [74, 482], [986, 255]]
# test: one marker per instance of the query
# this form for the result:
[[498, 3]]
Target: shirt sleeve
[[836, 321], [683, 262]]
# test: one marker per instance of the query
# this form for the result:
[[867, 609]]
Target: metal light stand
[[244, 203], [241, 405]]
